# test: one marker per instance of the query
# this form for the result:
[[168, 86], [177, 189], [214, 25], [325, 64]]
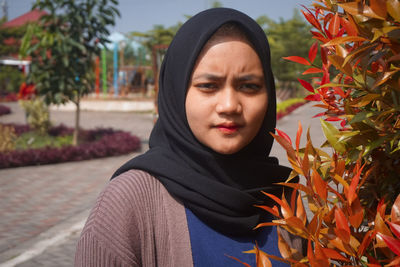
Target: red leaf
[[319, 115], [312, 53], [333, 254], [351, 193], [324, 55], [306, 85], [343, 123], [391, 242], [395, 212], [314, 97], [351, 30], [311, 19], [334, 25], [284, 135], [366, 241], [312, 70], [333, 119], [298, 59], [320, 185], [236, 259], [395, 229], [343, 225]]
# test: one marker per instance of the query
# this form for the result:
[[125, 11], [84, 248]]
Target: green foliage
[[10, 32], [284, 105], [156, 36], [37, 114], [287, 37], [7, 138], [63, 47], [33, 140], [10, 79]]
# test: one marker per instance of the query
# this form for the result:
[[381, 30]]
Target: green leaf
[[331, 134]]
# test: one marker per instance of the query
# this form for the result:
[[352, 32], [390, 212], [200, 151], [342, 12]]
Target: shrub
[[352, 194], [7, 137], [37, 114], [97, 143], [4, 110], [10, 79]]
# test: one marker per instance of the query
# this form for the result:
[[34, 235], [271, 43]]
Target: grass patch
[[33, 140]]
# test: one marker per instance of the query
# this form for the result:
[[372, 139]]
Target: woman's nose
[[228, 101]]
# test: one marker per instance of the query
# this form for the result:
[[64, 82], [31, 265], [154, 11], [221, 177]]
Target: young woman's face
[[227, 97]]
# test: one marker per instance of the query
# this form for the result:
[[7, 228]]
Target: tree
[[63, 47], [287, 37]]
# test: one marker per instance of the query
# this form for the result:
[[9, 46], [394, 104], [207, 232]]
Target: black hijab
[[220, 189]]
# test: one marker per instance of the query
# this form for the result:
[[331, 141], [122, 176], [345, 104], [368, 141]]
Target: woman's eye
[[250, 87], [207, 86]]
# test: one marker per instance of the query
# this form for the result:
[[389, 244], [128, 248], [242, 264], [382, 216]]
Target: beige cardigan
[[135, 222]]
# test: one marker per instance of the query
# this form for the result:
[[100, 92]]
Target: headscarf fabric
[[220, 189]]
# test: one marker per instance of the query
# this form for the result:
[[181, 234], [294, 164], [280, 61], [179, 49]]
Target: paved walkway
[[43, 208]]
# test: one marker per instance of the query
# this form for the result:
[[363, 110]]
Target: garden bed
[[4, 110], [96, 143]]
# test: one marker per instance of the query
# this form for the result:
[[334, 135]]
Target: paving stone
[[35, 199]]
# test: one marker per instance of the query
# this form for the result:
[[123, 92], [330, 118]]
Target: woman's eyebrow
[[250, 77], [208, 76]]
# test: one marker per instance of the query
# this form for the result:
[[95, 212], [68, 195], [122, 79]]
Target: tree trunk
[[77, 117]]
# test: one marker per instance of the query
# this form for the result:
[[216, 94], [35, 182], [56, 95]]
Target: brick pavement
[[40, 201]]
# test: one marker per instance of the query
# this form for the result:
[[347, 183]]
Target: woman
[[189, 200]]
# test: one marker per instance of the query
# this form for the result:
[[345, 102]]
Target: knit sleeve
[[111, 236]]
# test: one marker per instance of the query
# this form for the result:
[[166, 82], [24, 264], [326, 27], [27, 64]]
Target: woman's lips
[[228, 128]]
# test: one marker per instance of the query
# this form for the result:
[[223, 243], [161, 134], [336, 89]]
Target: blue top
[[210, 248]]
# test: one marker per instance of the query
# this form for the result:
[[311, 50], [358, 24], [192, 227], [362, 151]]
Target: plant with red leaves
[[352, 194], [26, 91]]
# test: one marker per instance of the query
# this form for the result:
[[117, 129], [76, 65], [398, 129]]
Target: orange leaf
[[298, 135], [283, 246], [299, 187], [379, 7], [395, 262], [351, 194], [284, 135], [345, 39], [393, 7], [300, 211], [310, 254], [274, 211], [366, 241], [320, 185], [395, 213], [312, 71], [334, 25], [298, 59], [285, 209], [286, 145], [306, 162], [262, 259], [342, 226], [312, 53], [359, 8], [333, 254], [357, 213], [380, 225], [351, 30]]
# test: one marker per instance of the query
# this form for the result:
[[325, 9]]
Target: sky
[[141, 15]]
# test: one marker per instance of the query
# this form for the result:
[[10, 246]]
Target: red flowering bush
[[26, 91]]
